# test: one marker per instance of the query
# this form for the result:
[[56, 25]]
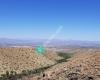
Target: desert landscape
[[23, 63], [49, 39]]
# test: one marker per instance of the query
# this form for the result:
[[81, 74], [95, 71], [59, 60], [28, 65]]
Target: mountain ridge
[[7, 42]]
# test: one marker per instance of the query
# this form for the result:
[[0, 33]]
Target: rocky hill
[[83, 65], [18, 59], [80, 67]]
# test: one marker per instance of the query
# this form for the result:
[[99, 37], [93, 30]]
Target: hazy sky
[[41, 19]]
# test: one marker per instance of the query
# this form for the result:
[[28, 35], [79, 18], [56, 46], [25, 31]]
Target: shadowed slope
[[79, 67]]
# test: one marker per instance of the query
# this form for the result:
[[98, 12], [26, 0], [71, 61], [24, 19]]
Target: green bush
[[64, 55]]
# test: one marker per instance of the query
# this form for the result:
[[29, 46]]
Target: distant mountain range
[[5, 42]]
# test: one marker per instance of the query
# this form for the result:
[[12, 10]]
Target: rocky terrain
[[84, 64], [80, 67], [18, 59]]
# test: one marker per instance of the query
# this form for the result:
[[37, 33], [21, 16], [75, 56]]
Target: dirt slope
[[18, 59], [79, 67]]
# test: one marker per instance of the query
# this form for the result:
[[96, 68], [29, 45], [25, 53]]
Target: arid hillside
[[80, 67], [18, 59], [84, 64]]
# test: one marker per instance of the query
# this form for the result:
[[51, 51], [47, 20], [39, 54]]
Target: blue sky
[[41, 18]]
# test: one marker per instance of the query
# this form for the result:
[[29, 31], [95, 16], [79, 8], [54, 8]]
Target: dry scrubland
[[18, 59], [83, 65], [80, 67]]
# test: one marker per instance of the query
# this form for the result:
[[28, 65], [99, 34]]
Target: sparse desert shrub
[[13, 73], [61, 60], [24, 72], [3, 77], [9, 76], [7, 73], [64, 55]]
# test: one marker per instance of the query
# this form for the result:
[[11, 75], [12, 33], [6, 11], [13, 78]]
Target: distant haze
[[4, 42]]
